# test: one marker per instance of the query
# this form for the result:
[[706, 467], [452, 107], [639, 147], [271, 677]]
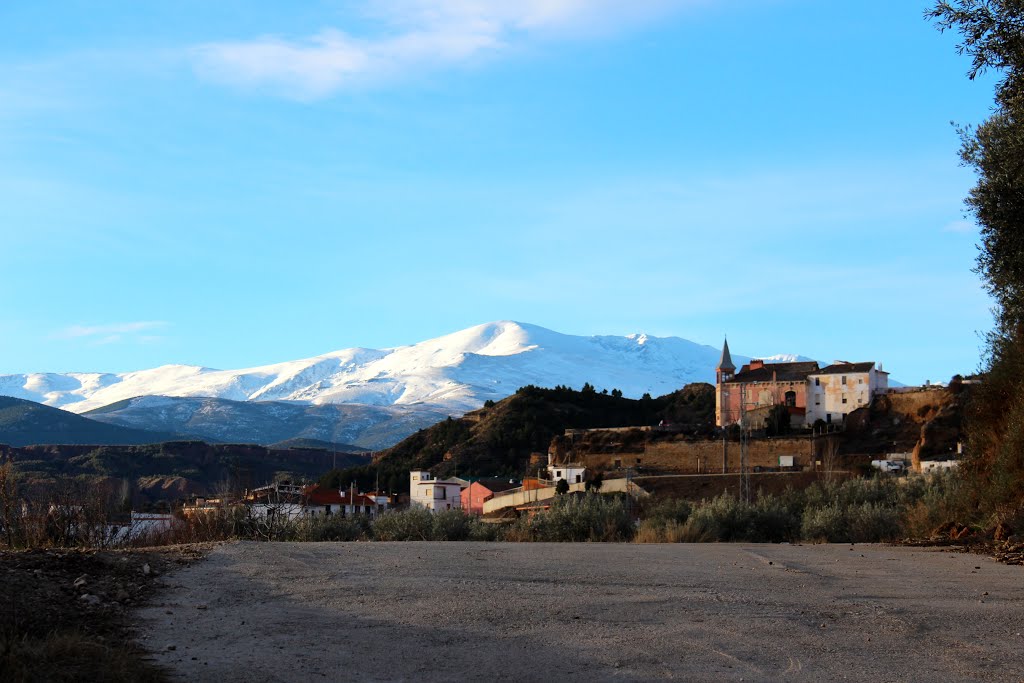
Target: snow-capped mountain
[[372, 397], [458, 371]]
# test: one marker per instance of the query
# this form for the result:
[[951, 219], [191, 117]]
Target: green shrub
[[825, 523], [857, 523], [590, 517], [666, 510], [338, 528], [419, 524], [872, 523], [772, 521], [483, 531], [450, 525], [415, 524], [724, 518]]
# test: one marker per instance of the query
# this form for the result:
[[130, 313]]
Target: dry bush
[[669, 532], [64, 656]]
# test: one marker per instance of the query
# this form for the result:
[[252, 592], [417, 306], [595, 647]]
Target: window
[[327, 509], [817, 400], [844, 398], [860, 380], [444, 493], [579, 478], [791, 399], [843, 380], [558, 474], [618, 463], [638, 461], [817, 381]]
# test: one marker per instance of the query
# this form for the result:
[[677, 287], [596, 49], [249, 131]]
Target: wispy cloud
[[139, 331], [960, 227], [417, 35]]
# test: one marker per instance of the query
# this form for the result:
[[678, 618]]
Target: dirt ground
[[585, 612], [64, 612]]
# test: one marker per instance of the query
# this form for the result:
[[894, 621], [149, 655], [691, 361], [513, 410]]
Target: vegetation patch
[[64, 612]]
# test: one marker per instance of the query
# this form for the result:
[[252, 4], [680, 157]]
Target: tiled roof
[[781, 372], [318, 495], [840, 368]]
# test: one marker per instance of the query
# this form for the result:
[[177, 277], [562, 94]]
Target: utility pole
[[744, 437], [629, 492], [725, 447]]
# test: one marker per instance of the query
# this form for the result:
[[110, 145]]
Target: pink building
[[809, 393], [479, 492], [760, 385]]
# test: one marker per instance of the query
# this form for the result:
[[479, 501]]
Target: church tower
[[723, 373]]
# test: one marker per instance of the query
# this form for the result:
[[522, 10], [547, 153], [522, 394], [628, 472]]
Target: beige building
[[836, 391]]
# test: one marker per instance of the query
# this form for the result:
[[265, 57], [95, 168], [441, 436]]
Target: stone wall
[[703, 455]]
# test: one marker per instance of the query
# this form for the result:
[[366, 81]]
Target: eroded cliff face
[[928, 423]]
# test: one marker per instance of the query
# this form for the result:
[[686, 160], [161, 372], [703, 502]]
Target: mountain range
[[372, 397], [24, 423]]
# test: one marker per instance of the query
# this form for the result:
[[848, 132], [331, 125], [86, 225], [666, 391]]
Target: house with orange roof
[[322, 501]]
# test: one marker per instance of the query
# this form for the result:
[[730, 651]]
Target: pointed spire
[[726, 362]]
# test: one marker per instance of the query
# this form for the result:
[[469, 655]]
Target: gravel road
[[585, 612]]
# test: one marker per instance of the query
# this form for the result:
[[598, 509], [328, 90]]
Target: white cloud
[[112, 333], [960, 227], [418, 35]]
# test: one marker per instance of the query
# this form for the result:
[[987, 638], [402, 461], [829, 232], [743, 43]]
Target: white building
[[572, 472], [835, 391], [433, 494], [320, 501], [278, 501]]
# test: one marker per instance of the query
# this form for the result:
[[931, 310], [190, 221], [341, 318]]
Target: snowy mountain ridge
[[456, 372]]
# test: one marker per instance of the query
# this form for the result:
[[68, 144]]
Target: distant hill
[[174, 470], [271, 422], [23, 423], [497, 440]]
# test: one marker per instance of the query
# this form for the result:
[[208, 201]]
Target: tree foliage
[[992, 35]]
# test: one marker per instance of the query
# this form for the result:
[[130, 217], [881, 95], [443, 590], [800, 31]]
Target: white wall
[[567, 472], [433, 494], [289, 511], [825, 394]]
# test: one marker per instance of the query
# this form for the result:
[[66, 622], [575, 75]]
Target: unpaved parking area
[[585, 612]]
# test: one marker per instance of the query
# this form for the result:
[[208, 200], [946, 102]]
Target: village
[[776, 424]]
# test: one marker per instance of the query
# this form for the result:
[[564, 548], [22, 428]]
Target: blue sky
[[236, 183]]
